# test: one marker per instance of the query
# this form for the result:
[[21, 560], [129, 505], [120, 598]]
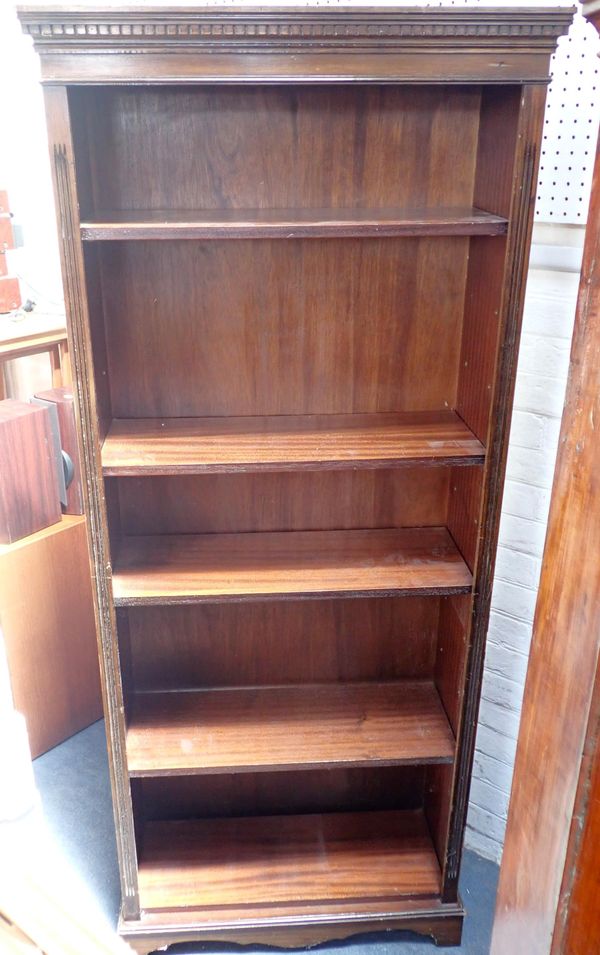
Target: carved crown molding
[[57, 29]]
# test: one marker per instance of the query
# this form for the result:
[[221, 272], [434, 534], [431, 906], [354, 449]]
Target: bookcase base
[[156, 931]]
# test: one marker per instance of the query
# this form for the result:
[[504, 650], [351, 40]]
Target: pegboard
[[570, 127]]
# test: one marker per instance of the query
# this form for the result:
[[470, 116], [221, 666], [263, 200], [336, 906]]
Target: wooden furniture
[[47, 617], [35, 335], [294, 247], [29, 494], [549, 893], [62, 399]]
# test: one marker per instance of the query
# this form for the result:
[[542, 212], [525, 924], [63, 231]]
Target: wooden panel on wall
[[270, 147], [295, 642], [284, 501], [302, 326], [48, 625]]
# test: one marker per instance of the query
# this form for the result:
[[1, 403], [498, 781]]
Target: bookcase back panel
[[320, 641], [267, 147], [309, 500], [257, 794], [283, 327]]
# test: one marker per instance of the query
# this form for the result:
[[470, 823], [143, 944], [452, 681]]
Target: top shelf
[[289, 223]]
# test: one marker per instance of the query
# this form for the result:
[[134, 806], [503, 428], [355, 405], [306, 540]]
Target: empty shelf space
[[274, 860], [161, 446], [176, 569], [287, 727], [289, 223]]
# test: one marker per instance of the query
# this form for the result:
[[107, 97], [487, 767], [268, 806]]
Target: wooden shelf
[[287, 727], [289, 223], [274, 860], [160, 446], [176, 569]]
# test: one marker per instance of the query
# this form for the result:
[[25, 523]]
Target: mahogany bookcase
[[294, 245]]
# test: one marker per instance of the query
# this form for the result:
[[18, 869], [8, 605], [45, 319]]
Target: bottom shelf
[[270, 861]]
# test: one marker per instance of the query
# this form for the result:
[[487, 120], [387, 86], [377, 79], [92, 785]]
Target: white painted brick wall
[[541, 380]]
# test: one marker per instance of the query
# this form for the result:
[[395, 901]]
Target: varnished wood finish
[[147, 446], [353, 498], [189, 568], [266, 148], [29, 495], [322, 141], [80, 344], [286, 859], [294, 334], [275, 642], [293, 224], [352, 724], [263, 793], [295, 927], [352, 45], [548, 890], [523, 164], [48, 628]]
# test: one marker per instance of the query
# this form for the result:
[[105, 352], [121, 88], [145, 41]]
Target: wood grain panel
[[231, 644], [159, 446], [279, 728], [279, 859], [29, 494], [269, 794], [191, 568], [290, 501], [464, 511], [48, 627], [267, 147], [289, 224], [486, 280], [452, 647], [263, 327]]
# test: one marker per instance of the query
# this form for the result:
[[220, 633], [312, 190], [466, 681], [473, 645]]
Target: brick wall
[[541, 381]]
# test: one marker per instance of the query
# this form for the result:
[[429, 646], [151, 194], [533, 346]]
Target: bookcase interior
[[295, 296]]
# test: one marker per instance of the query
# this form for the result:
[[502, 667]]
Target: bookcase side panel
[[73, 271], [518, 192]]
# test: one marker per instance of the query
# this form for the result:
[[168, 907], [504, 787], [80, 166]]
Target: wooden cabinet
[[294, 250]]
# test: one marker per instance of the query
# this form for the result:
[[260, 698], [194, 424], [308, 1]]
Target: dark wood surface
[[244, 44], [267, 326], [289, 223], [309, 326], [178, 569], [80, 345], [296, 926], [29, 494], [272, 793], [49, 632], [276, 642], [240, 730], [264, 147], [148, 446], [348, 499], [553, 811], [286, 859]]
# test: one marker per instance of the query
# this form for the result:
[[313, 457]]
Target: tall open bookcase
[[294, 244]]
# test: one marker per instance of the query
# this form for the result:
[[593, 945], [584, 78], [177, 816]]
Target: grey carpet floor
[[75, 791]]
